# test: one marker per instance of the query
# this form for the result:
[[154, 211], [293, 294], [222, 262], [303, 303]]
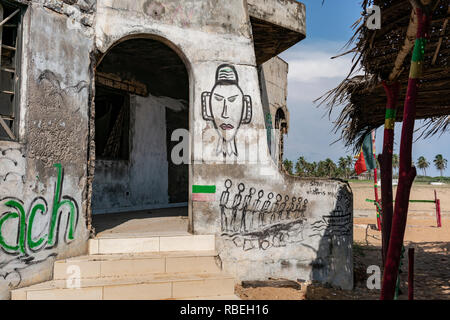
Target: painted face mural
[[227, 107]]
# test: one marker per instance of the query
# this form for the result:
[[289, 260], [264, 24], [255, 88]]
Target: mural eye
[[232, 99], [218, 98]]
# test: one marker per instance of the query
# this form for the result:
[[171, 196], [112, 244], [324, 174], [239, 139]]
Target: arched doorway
[[280, 131], [141, 98]]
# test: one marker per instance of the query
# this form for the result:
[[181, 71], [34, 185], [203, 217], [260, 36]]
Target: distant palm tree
[[301, 167], [288, 166], [440, 163], [423, 164], [395, 162], [349, 161], [330, 167], [343, 166], [350, 165], [312, 169]]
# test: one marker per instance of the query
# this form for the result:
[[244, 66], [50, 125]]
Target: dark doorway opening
[[142, 97]]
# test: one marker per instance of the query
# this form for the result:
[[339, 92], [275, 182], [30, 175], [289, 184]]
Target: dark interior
[[140, 67]]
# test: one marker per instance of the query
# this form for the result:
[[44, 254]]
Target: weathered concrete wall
[[270, 227], [141, 182], [275, 74], [289, 14], [43, 175], [273, 81]]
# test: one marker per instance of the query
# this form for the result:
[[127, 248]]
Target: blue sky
[[312, 73]]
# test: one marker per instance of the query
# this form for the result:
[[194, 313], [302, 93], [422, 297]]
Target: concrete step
[[115, 244], [126, 265], [152, 287]]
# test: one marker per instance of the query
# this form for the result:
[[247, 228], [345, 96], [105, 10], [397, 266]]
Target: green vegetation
[[440, 163], [345, 169], [423, 164]]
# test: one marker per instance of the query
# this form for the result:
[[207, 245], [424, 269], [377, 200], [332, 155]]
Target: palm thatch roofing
[[385, 54]]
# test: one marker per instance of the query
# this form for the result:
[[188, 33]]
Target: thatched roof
[[385, 54]]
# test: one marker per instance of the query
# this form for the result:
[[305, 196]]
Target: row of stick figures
[[249, 212]]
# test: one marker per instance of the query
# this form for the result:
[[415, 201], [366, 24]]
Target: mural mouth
[[226, 126]]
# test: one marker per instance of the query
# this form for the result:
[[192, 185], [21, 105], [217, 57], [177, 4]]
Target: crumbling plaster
[[47, 167]]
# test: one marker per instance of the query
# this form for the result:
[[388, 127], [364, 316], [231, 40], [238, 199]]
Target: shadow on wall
[[333, 263]]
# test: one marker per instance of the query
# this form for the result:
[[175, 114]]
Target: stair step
[[160, 286], [111, 245], [123, 265]]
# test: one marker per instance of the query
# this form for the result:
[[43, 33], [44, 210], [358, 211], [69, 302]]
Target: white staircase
[[144, 268]]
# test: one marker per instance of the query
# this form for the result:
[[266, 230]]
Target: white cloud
[[312, 62], [311, 74], [314, 66]]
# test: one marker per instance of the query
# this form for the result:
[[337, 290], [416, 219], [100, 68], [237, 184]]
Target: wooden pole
[[407, 171], [385, 160], [438, 210]]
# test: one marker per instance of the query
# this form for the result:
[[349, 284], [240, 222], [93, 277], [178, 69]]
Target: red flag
[[360, 165]]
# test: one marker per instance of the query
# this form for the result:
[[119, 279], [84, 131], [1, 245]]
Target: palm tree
[[330, 167], [288, 165], [350, 165], [301, 167], [440, 163], [343, 166], [349, 162], [423, 164], [395, 162], [312, 169]]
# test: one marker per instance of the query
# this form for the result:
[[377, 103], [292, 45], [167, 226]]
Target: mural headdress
[[226, 74]]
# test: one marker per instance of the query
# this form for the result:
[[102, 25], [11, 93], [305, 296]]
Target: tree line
[[345, 166]]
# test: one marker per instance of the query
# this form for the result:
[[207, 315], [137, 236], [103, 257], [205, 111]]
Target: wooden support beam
[[444, 26], [7, 129], [114, 81]]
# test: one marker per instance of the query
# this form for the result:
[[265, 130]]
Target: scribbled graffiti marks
[[278, 235], [11, 270], [26, 242], [227, 107], [252, 221], [339, 222], [337, 225], [10, 168]]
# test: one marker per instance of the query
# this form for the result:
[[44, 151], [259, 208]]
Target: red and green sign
[[203, 193]]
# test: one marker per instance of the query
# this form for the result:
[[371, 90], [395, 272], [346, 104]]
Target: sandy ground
[[431, 244], [363, 191]]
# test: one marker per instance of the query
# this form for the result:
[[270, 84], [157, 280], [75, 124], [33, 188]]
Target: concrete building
[[140, 152]]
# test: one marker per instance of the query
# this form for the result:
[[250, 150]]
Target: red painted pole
[[377, 200], [439, 222], [375, 176], [385, 159], [438, 210], [407, 171], [411, 274]]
